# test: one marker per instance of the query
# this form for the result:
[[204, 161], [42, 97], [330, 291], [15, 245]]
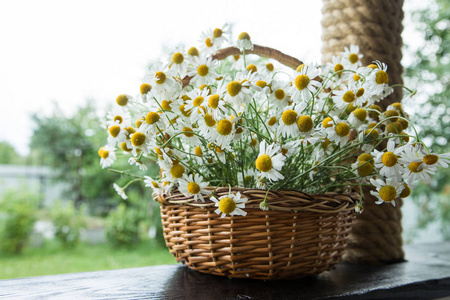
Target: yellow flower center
[[430, 159], [161, 77], [193, 188], [395, 127], [197, 101], [213, 101], [372, 66], [261, 83], [227, 205], [350, 108], [342, 129], [139, 122], [178, 58], [391, 113], [388, 193], [244, 36], [325, 143], [269, 67], [381, 77], [305, 123], [272, 121], [374, 114], [114, 130], [252, 68], [166, 105], [193, 51], [364, 168], [124, 147], [415, 167], [224, 127], [155, 184], [158, 151], [353, 58], [299, 68], [208, 43], [236, 57], [183, 110], [100, 151], [389, 159], [356, 77], [264, 163], [233, 88], [338, 67], [203, 70], [209, 120], [365, 157], [280, 94], [187, 131], [301, 82], [217, 32], [145, 88], [360, 114], [406, 191], [152, 118], [289, 117], [371, 133], [198, 151], [138, 138], [218, 150], [122, 100], [360, 92], [119, 119], [348, 97], [177, 171], [327, 122]]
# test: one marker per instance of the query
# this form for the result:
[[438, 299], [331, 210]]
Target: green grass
[[53, 259]]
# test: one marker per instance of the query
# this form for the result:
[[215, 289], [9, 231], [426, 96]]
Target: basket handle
[[262, 51]]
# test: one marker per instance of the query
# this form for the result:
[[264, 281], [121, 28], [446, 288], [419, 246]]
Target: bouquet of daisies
[[254, 124]]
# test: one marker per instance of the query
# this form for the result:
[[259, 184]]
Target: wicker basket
[[300, 235]]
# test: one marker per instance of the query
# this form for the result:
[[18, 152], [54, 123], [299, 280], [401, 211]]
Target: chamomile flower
[[118, 116], [237, 62], [344, 97], [215, 105], [120, 191], [141, 141], [193, 185], [338, 131], [172, 172], [357, 117], [117, 134], [107, 156], [248, 178], [267, 71], [231, 204], [435, 159], [237, 92], [288, 123], [223, 132], [386, 191], [197, 103], [244, 42], [270, 161], [206, 124], [304, 85], [137, 162], [188, 133], [389, 163], [351, 57], [219, 35], [203, 71], [177, 62], [279, 98], [154, 185], [162, 81], [416, 171], [378, 79], [153, 123]]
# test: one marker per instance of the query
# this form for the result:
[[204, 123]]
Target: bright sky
[[70, 51]]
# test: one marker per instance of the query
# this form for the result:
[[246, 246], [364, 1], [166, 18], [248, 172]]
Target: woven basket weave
[[301, 234]]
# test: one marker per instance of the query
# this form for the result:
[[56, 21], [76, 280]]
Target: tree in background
[[9, 156], [430, 70]]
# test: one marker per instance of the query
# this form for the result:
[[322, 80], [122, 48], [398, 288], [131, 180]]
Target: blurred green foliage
[[429, 72], [67, 222], [17, 217]]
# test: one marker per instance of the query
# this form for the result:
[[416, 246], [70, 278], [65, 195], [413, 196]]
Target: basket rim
[[283, 200]]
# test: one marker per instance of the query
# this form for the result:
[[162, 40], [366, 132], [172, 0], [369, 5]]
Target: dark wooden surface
[[425, 275]]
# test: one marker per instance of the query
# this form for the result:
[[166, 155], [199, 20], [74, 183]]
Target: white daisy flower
[[137, 162], [237, 62], [118, 116], [154, 185], [434, 159], [237, 92], [357, 117], [117, 134], [141, 141], [270, 161], [107, 156], [231, 204], [162, 81], [351, 57], [171, 172], [344, 97], [267, 71], [223, 132], [219, 35], [244, 42], [154, 122], [248, 178], [177, 62], [389, 163], [337, 131], [216, 106], [304, 84], [288, 123], [189, 133], [279, 98], [386, 191], [120, 191], [193, 185], [197, 103], [378, 80], [203, 71]]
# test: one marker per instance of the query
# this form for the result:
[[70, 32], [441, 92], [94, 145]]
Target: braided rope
[[375, 26]]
